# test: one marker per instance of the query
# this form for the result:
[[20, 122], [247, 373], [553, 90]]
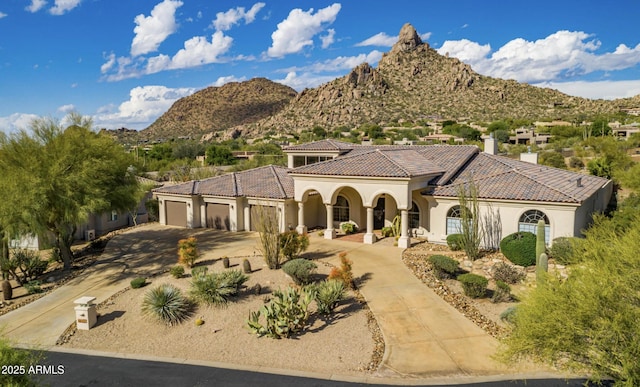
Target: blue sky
[[125, 62]]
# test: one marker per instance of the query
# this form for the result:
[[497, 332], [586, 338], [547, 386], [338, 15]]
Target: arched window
[[529, 222], [454, 221], [341, 209], [414, 216]]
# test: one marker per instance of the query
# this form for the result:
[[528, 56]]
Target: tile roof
[[392, 162], [501, 178], [272, 182], [323, 145]]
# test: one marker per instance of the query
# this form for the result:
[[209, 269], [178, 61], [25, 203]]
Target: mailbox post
[[86, 315]]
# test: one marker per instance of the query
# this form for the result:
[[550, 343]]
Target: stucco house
[[329, 182]]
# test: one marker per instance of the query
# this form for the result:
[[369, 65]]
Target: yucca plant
[[167, 304]]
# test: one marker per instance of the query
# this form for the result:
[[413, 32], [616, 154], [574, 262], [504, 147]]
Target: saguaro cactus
[[542, 268], [540, 241]]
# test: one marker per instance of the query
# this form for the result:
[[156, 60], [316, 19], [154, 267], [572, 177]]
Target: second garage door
[[218, 216]]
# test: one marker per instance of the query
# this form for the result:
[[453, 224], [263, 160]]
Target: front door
[[378, 214]]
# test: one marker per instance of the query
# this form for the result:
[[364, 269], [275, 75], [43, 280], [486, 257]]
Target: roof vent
[[579, 182]]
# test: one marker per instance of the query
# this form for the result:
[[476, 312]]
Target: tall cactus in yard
[[540, 241], [542, 268]]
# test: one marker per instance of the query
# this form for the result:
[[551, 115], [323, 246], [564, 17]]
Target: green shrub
[[502, 293], [33, 287], [293, 244], [177, 271], [188, 251], [167, 304], [24, 265], [138, 282], [386, 231], [509, 314], [507, 273], [443, 266], [286, 314], [454, 241], [217, 288], [327, 294], [300, 270], [475, 286], [348, 228], [14, 357], [520, 248], [563, 250], [576, 162]]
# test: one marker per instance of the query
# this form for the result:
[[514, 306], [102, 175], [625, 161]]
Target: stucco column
[[404, 240], [301, 229], [330, 232], [369, 237]]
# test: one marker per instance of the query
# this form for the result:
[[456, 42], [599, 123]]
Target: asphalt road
[[82, 370]]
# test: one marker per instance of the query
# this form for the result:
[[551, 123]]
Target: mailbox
[[86, 314]]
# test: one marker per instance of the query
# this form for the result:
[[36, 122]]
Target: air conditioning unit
[[90, 235]]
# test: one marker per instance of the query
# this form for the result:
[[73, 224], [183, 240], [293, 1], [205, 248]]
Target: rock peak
[[408, 39]]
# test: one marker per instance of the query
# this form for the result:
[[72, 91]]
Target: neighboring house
[[96, 224], [329, 182]]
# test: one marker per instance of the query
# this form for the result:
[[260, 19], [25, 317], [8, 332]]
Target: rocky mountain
[[221, 108], [413, 81]]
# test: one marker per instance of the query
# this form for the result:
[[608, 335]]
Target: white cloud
[[225, 20], [465, 50], [62, 6], [145, 105], [560, 55], [197, 51], [296, 31], [36, 5], [2, 14], [596, 89], [306, 80], [108, 65], [425, 36], [16, 122], [67, 108], [221, 81], [151, 31], [328, 39], [379, 39], [341, 63]]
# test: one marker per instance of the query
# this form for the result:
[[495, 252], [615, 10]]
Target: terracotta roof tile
[[323, 145], [270, 181], [375, 162], [499, 177]]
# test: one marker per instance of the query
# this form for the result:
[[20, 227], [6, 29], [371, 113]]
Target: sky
[[124, 63]]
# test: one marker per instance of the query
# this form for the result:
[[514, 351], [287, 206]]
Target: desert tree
[[55, 176]]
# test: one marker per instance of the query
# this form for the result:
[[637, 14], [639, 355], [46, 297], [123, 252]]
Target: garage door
[[176, 213], [258, 211], [218, 216]]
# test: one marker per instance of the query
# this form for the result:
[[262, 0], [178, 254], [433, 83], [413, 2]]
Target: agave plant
[[216, 288], [166, 303]]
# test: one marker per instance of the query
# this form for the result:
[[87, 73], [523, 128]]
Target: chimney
[[579, 182], [529, 157], [491, 145]]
